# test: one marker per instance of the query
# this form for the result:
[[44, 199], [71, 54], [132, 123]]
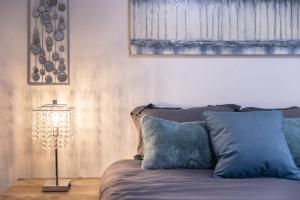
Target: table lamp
[[54, 125]]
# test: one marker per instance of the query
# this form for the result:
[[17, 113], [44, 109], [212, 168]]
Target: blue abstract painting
[[215, 27]]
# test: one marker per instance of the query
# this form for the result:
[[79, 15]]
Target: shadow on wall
[[7, 137]]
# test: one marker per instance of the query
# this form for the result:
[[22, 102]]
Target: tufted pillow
[[291, 130], [170, 144]]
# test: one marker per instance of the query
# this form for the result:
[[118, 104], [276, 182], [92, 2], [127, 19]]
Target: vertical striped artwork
[[215, 27]]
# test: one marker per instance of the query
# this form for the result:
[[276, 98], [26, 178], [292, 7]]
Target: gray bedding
[[126, 180]]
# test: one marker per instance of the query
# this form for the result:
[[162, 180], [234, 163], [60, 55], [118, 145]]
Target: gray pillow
[[291, 130], [173, 114], [250, 145], [170, 145], [290, 112]]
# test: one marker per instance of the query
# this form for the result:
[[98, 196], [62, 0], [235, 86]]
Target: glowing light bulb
[[56, 119]]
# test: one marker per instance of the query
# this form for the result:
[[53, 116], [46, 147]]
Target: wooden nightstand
[[31, 189]]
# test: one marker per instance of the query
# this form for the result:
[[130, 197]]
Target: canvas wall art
[[48, 42], [214, 27]]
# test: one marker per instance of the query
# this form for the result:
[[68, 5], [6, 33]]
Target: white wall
[[107, 84]]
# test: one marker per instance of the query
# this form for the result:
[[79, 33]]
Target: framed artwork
[[48, 42], [214, 27]]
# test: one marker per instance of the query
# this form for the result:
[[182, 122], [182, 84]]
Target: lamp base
[[63, 185]]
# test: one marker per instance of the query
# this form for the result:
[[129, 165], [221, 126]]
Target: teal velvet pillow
[[250, 145], [169, 144], [291, 130]]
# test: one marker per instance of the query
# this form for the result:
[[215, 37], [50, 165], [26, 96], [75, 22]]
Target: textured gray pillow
[[171, 145], [291, 130], [173, 114]]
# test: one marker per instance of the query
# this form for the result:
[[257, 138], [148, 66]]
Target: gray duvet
[[126, 180]]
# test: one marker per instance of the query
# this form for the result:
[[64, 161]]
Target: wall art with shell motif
[[48, 42]]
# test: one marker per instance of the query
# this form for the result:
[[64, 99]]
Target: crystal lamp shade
[[53, 125]]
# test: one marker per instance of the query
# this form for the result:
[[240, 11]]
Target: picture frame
[[214, 27], [48, 42]]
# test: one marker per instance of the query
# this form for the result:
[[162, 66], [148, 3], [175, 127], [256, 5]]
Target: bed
[[126, 180]]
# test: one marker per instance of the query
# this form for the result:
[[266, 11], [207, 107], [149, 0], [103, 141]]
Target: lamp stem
[[56, 166], [56, 157]]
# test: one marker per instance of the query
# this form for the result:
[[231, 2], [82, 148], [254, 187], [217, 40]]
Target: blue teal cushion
[[250, 145], [291, 130], [169, 144]]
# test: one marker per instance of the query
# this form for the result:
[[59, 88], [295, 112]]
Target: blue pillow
[[250, 145], [291, 130], [169, 144]]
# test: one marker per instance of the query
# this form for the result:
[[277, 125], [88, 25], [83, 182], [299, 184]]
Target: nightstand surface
[[31, 189]]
